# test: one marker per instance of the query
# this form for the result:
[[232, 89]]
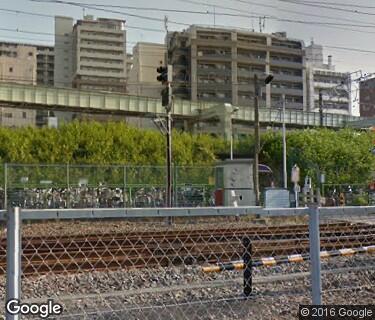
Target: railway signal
[[163, 74], [165, 77]]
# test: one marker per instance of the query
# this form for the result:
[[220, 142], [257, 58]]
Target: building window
[[24, 115], [11, 69], [8, 115], [30, 54]]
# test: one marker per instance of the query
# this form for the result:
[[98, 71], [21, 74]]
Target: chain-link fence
[[226, 263], [143, 268], [348, 266], [85, 186]]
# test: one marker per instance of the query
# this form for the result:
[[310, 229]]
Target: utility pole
[[168, 108], [268, 80], [284, 147], [169, 139], [165, 77], [257, 142], [321, 107]]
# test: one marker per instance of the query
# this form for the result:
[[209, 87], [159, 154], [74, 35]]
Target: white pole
[[14, 248], [284, 147]]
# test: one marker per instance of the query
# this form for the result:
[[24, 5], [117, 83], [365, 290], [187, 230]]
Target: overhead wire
[[101, 7], [322, 6], [340, 4]]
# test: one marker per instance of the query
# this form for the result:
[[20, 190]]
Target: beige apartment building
[[91, 54], [219, 64], [147, 57], [18, 65]]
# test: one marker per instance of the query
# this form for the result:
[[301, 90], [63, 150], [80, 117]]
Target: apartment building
[[147, 57], [367, 98], [91, 54], [322, 77], [18, 65], [219, 64], [45, 64]]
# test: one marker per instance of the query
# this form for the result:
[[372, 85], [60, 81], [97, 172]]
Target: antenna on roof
[[264, 23], [214, 17]]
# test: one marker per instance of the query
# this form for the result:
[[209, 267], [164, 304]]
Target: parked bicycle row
[[106, 197]]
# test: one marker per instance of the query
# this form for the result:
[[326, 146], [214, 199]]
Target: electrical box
[[234, 183], [276, 198]]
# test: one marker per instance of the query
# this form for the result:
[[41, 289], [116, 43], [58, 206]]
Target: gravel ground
[[82, 227], [187, 293]]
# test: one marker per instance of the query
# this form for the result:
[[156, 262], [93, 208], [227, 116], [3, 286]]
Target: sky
[[341, 28]]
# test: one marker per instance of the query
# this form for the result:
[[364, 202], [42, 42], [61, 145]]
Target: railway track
[[72, 254]]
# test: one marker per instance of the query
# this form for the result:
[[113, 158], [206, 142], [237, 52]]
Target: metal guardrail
[[66, 214]]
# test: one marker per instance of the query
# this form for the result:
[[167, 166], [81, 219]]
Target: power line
[[309, 4], [350, 49], [100, 8], [92, 7], [52, 17], [339, 4]]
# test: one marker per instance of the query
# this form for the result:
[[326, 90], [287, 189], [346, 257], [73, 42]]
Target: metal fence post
[[315, 267], [248, 270], [14, 248], [5, 186], [125, 187], [68, 186]]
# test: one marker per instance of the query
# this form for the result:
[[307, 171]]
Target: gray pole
[[296, 194], [257, 143], [5, 186], [169, 149], [314, 238], [284, 147], [321, 107], [68, 186], [13, 257], [231, 138]]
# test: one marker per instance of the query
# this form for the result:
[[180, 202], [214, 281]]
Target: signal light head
[[163, 77]]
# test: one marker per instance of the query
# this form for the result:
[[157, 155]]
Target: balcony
[[287, 91], [245, 86], [285, 77], [250, 74], [285, 63], [95, 46], [101, 73], [119, 66], [213, 71], [213, 42], [215, 86], [216, 99], [103, 55], [250, 59], [286, 50], [250, 45], [215, 57], [108, 38]]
